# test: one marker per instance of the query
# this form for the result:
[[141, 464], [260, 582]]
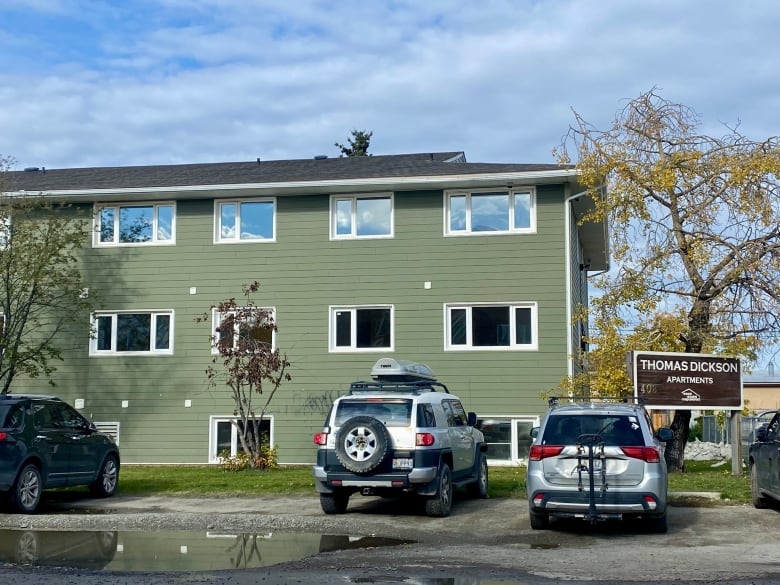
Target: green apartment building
[[474, 269]]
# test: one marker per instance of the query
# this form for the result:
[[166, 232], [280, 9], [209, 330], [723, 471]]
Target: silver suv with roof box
[[401, 433], [597, 461]]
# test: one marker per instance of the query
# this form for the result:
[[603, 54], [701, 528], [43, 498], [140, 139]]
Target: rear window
[[392, 412], [622, 430], [11, 416]]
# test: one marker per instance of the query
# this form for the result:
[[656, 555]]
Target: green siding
[[301, 274]]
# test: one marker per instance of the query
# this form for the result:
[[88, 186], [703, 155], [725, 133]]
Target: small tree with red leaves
[[249, 366]]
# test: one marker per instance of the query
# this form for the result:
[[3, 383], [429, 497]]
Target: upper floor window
[[361, 216], [249, 220], [491, 326], [136, 224], [132, 332], [490, 212], [231, 328], [368, 328]]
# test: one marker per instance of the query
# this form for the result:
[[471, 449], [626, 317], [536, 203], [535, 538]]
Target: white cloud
[[201, 80]]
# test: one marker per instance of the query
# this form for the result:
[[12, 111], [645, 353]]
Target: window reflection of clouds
[[490, 212], [344, 217], [362, 216], [246, 220], [373, 217], [164, 222], [522, 210], [257, 220], [228, 220], [458, 213]]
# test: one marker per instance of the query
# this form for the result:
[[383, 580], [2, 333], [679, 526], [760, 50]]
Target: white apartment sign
[[686, 381]]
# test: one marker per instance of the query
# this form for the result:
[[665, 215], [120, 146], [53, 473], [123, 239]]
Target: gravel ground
[[483, 541]]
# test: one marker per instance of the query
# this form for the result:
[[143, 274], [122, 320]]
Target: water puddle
[[170, 550]]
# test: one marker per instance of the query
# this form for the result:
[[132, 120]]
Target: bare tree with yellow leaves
[[695, 225]]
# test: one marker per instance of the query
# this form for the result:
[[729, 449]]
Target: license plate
[[403, 463], [597, 466]]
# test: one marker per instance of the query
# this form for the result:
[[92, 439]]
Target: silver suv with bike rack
[[597, 461], [403, 432]]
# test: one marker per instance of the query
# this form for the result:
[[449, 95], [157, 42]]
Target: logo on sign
[[689, 395]]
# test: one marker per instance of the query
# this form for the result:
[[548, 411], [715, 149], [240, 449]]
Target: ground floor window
[[508, 438], [224, 435]]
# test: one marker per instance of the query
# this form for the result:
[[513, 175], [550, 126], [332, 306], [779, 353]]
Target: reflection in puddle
[[461, 580], [170, 551]]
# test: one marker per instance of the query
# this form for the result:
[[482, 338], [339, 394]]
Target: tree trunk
[[675, 449]]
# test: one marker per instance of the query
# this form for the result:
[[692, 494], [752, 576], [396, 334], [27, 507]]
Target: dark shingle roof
[[280, 171]]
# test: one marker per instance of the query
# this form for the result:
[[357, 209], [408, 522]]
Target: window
[[392, 412], [508, 438], [128, 332], [456, 414], [361, 328], [224, 439], [490, 212], [491, 327], [363, 216], [241, 329], [134, 225], [250, 220]]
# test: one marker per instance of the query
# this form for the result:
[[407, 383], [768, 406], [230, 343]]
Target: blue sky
[[103, 83]]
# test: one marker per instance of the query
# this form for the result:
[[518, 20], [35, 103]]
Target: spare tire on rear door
[[362, 443]]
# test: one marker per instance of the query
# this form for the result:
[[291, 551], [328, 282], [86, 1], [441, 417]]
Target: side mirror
[[761, 434], [665, 434], [534, 432], [472, 419]]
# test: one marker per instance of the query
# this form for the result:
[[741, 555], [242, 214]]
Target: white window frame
[[335, 309], [219, 239], [235, 442], [93, 349], [97, 225], [514, 455], [448, 195], [513, 346], [334, 199], [216, 319]]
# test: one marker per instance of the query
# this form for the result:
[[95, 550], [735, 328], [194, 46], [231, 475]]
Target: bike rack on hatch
[[592, 447]]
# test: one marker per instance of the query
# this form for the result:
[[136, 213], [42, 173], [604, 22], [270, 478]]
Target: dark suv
[[763, 459], [403, 433], [45, 443]]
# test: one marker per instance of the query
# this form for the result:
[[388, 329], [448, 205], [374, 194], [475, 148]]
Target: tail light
[[539, 452], [652, 504], [648, 454], [321, 439], [424, 440], [3, 435]]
